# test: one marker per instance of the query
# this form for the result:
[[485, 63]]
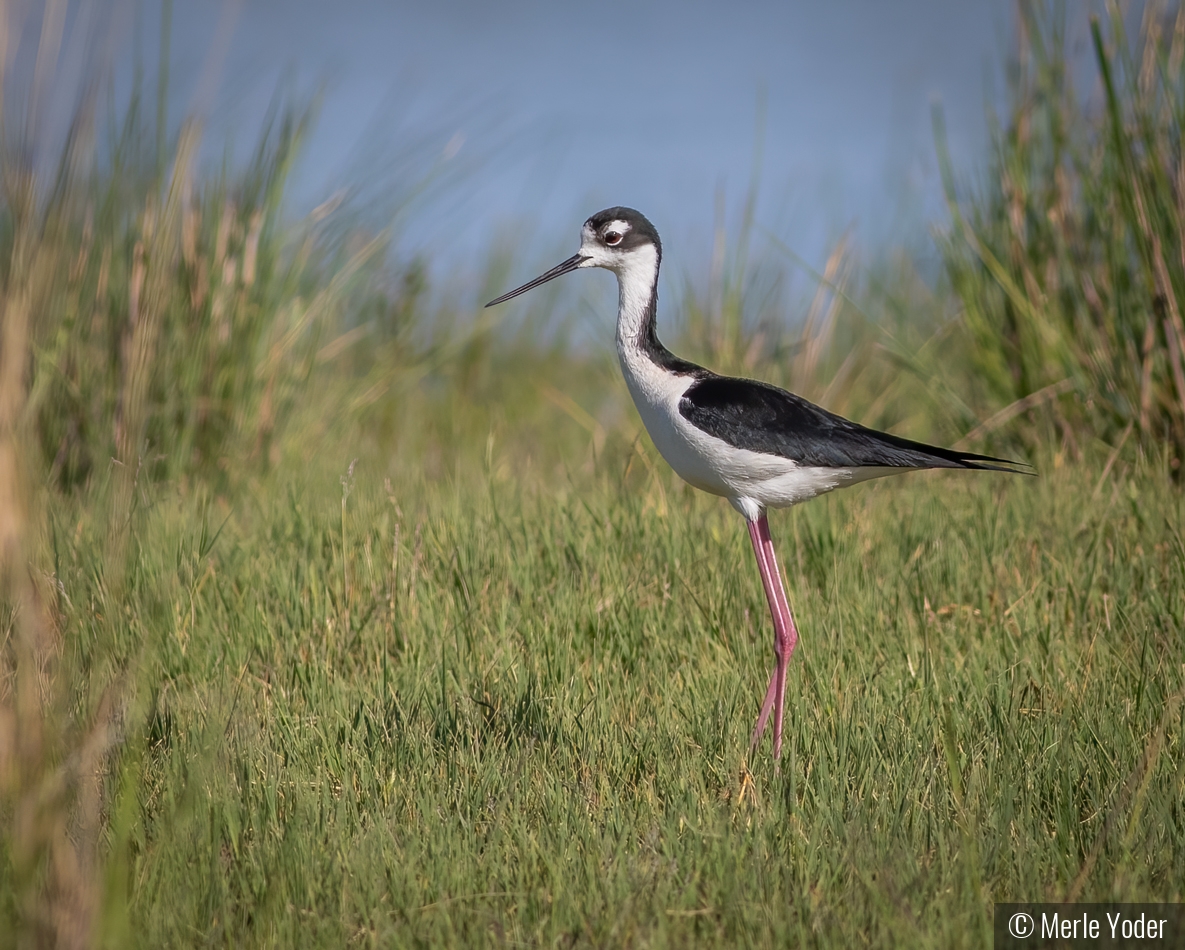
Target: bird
[[756, 444]]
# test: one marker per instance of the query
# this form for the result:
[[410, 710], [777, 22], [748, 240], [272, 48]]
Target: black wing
[[763, 418]]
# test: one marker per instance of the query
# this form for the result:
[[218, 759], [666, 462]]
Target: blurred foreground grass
[[331, 616]]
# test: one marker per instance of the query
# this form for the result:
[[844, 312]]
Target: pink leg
[[785, 633]]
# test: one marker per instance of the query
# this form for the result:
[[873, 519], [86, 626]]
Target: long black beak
[[558, 271]]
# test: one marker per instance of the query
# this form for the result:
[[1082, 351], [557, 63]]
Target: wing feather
[[762, 418]]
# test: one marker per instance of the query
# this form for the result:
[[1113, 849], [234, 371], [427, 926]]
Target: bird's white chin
[[593, 258]]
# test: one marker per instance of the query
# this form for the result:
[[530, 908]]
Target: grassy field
[[331, 616], [471, 711]]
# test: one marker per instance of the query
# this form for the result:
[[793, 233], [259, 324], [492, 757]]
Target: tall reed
[[1068, 260], [155, 322]]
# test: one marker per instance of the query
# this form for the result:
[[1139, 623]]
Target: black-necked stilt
[[757, 445]]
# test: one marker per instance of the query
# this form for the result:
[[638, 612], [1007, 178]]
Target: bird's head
[[617, 239]]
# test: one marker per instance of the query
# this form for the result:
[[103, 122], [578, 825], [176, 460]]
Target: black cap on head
[[641, 231]]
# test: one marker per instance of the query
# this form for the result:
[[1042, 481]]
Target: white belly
[[750, 480]]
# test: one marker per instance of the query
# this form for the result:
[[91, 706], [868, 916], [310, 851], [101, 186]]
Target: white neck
[[636, 281]]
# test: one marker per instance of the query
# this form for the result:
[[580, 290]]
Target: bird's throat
[[637, 302]]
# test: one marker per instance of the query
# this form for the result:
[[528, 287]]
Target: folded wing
[[761, 418]]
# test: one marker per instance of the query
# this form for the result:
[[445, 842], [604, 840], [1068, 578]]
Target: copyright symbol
[[1021, 925]]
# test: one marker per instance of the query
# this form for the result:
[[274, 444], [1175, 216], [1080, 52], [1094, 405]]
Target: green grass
[[330, 616], [494, 709]]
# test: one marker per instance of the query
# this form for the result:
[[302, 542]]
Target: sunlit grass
[[332, 616], [505, 708]]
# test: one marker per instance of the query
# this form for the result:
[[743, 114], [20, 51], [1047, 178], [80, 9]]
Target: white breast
[[656, 395]]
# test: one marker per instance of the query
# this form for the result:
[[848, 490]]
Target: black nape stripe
[[641, 232], [651, 346]]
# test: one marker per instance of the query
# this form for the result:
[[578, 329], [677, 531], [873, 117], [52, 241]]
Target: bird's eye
[[613, 238]]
